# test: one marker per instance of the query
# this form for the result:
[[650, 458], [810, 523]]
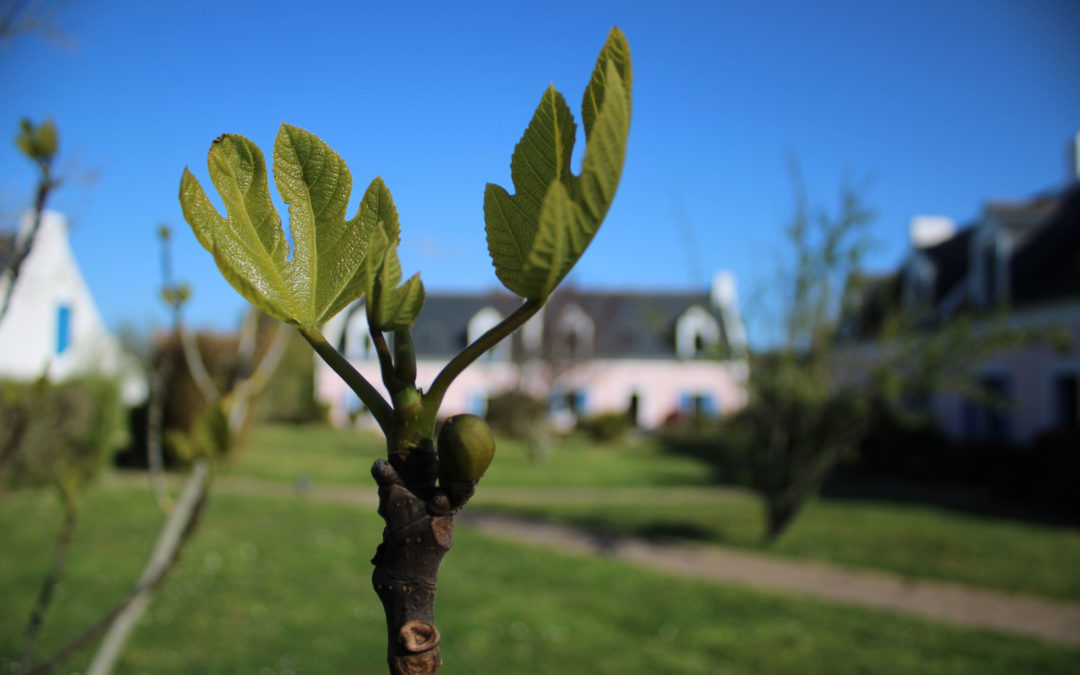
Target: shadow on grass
[[606, 534], [989, 495]]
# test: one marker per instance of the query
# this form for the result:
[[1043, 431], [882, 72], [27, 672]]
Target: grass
[[282, 586], [915, 541], [332, 456], [636, 488]]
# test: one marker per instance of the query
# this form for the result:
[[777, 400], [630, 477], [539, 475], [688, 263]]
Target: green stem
[[386, 362], [405, 357], [474, 351], [370, 396]]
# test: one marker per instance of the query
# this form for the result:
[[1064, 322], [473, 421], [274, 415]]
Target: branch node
[[419, 636]]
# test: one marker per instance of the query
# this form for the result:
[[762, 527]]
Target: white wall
[[50, 278]]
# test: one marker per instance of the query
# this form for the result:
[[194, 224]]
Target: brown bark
[[418, 533]]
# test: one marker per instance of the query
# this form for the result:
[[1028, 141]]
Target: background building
[[1017, 266], [655, 356], [52, 326]]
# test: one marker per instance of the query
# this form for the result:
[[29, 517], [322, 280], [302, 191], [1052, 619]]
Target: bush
[[605, 427], [57, 434], [289, 397], [516, 414]]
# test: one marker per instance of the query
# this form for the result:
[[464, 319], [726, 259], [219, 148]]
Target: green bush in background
[[57, 434]]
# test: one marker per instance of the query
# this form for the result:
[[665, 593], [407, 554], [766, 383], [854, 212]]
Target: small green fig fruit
[[466, 447]]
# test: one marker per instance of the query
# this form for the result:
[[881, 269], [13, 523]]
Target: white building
[[52, 326]]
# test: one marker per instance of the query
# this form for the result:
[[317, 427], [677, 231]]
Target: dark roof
[[1044, 263], [1047, 266], [442, 328], [868, 301], [950, 260], [632, 325], [627, 325]]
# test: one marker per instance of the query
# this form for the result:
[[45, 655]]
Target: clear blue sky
[[945, 103]]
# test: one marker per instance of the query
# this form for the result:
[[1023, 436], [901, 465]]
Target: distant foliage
[[289, 396], [57, 434], [516, 414], [792, 433], [605, 427]]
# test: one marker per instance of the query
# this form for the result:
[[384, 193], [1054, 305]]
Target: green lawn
[[636, 488], [331, 456], [282, 585]]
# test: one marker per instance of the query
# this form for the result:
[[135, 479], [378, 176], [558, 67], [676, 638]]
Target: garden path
[[1040, 618]]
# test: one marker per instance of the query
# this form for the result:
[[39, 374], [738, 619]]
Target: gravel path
[[967, 606], [952, 603]]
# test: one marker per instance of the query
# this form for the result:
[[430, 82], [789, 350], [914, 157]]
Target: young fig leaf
[[389, 306], [536, 235], [327, 270]]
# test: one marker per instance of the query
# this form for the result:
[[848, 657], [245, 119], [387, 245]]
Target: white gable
[[52, 326]]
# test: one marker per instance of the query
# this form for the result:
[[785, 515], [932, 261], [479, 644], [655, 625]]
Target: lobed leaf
[[536, 235], [330, 264]]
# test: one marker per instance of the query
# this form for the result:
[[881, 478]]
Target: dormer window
[[988, 271], [358, 345], [575, 333], [919, 277], [480, 323], [989, 274], [696, 334]]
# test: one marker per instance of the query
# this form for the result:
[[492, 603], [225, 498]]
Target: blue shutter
[[478, 404], [63, 328], [709, 405]]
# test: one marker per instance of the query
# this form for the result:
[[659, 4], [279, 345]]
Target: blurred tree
[[800, 419], [39, 143]]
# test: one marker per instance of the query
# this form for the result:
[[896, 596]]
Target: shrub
[[516, 414], [57, 434], [605, 427], [289, 397]]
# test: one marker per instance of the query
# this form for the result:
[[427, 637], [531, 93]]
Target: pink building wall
[[662, 387]]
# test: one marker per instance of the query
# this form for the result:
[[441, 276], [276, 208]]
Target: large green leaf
[[329, 267], [536, 235]]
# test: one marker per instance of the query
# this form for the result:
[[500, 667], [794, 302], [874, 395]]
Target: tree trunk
[[418, 533]]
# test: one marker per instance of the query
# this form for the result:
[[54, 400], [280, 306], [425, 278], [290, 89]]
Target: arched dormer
[[575, 333], [357, 340], [480, 323], [919, 277], [696, 333], [988, 273]]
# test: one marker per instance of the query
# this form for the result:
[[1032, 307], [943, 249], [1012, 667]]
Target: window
[[999, 394], [919, 278], [478, 404], [698, 405], [696, 334], [989, 274], [988, 416], [63, 328], [480, 323], [575, 402], [633, 409], [575, 333], [1066, 401], [357, 338]]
